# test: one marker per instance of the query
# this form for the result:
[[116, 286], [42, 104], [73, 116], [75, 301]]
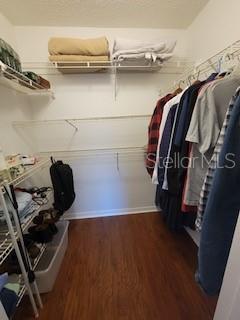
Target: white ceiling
[[103, 13]]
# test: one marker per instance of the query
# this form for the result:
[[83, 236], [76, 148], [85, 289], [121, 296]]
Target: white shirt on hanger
[[175, 100]]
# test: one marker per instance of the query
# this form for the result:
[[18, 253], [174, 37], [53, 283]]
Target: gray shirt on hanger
[[206, 123]]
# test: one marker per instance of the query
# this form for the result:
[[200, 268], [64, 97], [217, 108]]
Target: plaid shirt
[[153, 133], [206, 188]]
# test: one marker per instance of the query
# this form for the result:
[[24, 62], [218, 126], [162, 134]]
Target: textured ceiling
[[103, 13]]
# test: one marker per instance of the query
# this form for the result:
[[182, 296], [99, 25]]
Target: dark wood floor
[[128, 267]]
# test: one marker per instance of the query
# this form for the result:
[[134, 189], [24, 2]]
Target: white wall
[[7, 31], [216, 27], [12, 106]]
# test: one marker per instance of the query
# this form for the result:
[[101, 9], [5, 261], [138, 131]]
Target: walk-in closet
[[119, 160]]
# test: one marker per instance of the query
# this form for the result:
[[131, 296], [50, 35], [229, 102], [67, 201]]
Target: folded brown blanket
[[72, 46], [77, 58]]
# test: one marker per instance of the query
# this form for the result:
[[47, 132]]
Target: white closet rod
[[213, 63], [24, 123], [98, 151]]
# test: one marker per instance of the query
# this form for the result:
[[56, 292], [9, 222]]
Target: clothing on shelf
[[71, 49], [3, 280], [9, 300], [26, 205], [38, 79], [152, 51], [9, 56], [73, 46], [77, 58], [28, 201], [13, 283]]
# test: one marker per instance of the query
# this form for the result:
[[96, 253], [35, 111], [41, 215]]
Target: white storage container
[[49, 265]]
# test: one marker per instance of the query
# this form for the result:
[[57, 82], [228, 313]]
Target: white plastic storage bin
[[49, 265]]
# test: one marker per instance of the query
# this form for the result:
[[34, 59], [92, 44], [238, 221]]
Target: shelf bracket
[[115, 81], [72, 125], [117, 154]]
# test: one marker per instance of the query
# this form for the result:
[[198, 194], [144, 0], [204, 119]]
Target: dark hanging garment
[[169, 203], [222, 210], [164, 145], [170, 200]]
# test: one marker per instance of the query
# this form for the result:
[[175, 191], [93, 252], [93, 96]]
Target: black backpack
[[63, 186]]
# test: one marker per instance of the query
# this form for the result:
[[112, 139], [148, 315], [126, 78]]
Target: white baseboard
[[195, 235], [108, 213]]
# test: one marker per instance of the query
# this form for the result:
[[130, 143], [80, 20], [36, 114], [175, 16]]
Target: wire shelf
[[6, 245], [22, 291], [29, 172], [212, 64], [176, 65], [19, 82], [36, 261], [23, 287]]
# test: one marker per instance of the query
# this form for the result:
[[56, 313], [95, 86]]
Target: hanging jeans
[[221, 211]]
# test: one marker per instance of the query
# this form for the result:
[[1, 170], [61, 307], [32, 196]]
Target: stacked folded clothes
[[26, 205], [9, 57], [153, 51], [70, 49], [38, 79]]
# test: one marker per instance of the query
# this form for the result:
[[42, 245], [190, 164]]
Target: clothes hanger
[[179, 89], [236, 69]]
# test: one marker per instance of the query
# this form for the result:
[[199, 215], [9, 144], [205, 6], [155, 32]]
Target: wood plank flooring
[[125, 268]]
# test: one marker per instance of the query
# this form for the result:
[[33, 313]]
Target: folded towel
[[151, 56], [77, 58], [129, 44], [3, 280], [123, 48], [23, 200], [155, 48], [71, 46], [15, 287]]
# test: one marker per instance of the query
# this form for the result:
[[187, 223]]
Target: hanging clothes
[[170, 197], [153, 133], [221, 211], [175, 100], [206, 123], [212, 167], [164, 144]]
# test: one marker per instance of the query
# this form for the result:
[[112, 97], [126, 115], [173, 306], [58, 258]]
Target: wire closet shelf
[[20, 83], [228, 57], [6, 245], [175, 65]]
